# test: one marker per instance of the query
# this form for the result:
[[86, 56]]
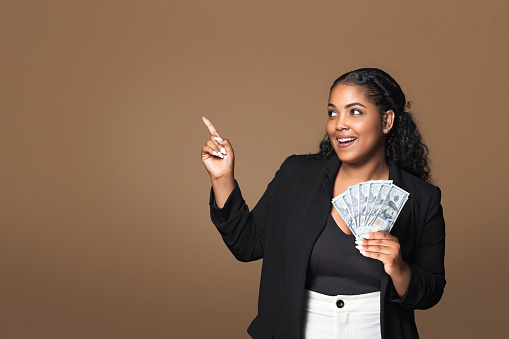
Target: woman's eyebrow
[[354, 104], [348, 106]]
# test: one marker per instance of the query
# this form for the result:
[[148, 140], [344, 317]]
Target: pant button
[[340, 303]]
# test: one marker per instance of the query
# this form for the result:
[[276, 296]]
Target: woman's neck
[[372, 170]]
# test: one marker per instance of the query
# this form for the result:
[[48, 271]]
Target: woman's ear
[[388, 121]]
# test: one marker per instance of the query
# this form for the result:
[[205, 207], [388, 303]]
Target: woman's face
[[355, 127]]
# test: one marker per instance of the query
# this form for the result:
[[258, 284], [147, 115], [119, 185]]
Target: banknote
[[371, 206], [380, 198], [363, 201], [354, 197], [341, 206], [374, 189], [348, 201], [389, 210]]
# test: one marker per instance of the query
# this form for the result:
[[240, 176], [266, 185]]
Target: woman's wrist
[[223, 187], [401, 278]]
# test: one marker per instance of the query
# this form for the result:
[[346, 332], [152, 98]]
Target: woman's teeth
[[346, 140]]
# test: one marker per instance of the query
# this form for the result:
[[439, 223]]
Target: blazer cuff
[[393, 294], [232, 205], [424, 290]]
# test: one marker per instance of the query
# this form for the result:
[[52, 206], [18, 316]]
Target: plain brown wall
[[105, 229]]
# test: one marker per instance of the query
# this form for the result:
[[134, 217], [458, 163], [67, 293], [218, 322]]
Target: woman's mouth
[[345, 141]]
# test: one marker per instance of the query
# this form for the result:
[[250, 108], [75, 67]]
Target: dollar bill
[[363, 202], [354, 197], [389, 210], [374, 189], [371, 206], [380, 198], [341, 206], [348, 202]]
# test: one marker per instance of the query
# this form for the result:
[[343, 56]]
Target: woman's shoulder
[[419, 187], [299, 160], [301, 164]]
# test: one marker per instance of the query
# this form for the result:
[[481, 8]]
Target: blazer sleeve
[[427, 280], [243, 231]]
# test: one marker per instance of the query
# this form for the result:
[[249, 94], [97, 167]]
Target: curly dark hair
[[404, 144]]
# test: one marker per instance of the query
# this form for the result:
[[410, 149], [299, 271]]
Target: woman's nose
[[342, 122]]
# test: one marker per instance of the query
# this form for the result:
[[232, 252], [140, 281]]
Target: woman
[[317, 281]]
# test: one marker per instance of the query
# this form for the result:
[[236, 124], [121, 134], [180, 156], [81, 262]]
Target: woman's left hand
[[385, 247]]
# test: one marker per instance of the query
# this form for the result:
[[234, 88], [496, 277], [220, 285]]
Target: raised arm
[[219, 160]]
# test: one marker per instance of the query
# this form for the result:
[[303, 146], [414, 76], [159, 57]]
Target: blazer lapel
[[404, 215], [330, 170]]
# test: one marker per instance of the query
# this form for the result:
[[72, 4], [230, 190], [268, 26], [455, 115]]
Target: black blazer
[[284, 225]]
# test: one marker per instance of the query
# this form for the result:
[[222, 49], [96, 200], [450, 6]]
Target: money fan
[[371, 206]]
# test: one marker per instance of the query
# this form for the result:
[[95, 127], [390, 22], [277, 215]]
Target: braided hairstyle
[[404, 145]]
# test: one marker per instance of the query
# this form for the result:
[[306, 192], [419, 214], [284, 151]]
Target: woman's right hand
[[217, 155]]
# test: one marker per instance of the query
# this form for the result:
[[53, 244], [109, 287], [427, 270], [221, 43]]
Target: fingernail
[[223, 150], [363, 253], [366, 236], [359, 247], [359, 241], [215, 153], [218, 139], [220, 155]]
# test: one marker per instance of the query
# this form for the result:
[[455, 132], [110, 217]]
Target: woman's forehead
[[343, 94]]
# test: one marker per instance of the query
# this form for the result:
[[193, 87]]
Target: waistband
[[368, 302]]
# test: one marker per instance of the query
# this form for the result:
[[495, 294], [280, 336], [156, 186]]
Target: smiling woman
[[317, 280], [403, 140], [355, 126]]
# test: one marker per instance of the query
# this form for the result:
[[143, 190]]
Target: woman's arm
[[417, 285], [244, 231], [222, 187], [427, 281], [386, 248], [219, 160]]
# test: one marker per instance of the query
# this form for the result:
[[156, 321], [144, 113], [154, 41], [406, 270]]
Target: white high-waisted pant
[[342, 316]]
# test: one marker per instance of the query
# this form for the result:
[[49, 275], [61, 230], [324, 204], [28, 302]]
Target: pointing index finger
[[209, 125]]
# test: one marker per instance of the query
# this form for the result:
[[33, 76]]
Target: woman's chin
[[345, 158]]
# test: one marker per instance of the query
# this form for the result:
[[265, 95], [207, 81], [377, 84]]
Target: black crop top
[[337, 267]]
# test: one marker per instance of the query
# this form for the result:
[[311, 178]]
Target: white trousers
[[342, 316]]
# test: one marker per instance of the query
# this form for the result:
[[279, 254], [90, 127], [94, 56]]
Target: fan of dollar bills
[[371, 206]]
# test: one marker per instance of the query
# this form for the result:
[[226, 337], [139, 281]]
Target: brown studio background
[[104, 220]]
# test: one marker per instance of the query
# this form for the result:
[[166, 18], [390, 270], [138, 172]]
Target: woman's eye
[[355, 112], [332, 114]]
